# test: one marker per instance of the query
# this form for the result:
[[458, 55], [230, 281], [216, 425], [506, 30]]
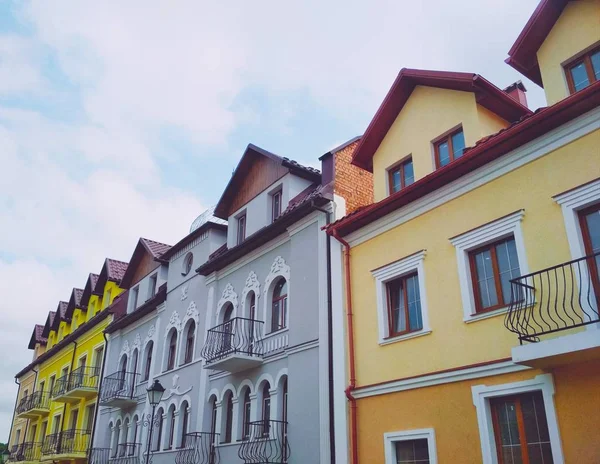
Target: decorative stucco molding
[[228, 296], [174, 321], [252, 285], [184, 292], [278, 269], [191, 313]]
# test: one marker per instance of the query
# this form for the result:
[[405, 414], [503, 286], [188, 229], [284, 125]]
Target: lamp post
[[155, 393]]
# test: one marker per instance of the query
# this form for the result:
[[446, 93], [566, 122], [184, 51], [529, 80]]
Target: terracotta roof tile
[[62, 308], [39, 328], [94, 280], [156, 248], [308, 194], [52, 315], [116, 269]]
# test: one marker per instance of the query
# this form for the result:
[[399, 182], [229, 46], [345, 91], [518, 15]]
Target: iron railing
[[99, 456], [71, 441], [558, 298], [37, 400], [127, 453], [267, 443], [199, 448], [28, 451], [120, 385], [236, 336], [82, 377]]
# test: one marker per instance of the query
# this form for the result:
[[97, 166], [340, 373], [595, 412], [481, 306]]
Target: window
[[172, 350], [492, 268], [449, 148], [410, 447], [90, 410], [152, 286], [584, 71], [275, 205], [401, 176], [74, 419], [246, 415], [404, 305], [187, 264], [98, 358], [159, 429], [401, 299], [148, 361], [133, 298], [266, 409], [184, 422], [228, 418], [171, 427], [241, 228], [189, 343], [589, 220], [279, 307], [52, 382]]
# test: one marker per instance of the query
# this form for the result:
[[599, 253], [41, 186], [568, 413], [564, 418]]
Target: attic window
[[401, 175], [449, 147], [275, 205], [583, 71], [241, 228]]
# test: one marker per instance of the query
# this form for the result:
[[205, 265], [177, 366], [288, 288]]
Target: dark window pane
[[595, 58], [485, 279], [508, 266], [412, 452], [579, 76], [443, 153], [409, 175], [414, 303], [396, 181], [458, 144]]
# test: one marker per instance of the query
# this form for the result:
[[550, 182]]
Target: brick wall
[[352, 183]]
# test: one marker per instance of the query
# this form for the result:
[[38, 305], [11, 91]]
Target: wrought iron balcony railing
[[70, 442], [39, 400], [28, 451], [127, 453], [82, 378], [199, 448], [267, 443], [558, 298], [238, 336], [119, 387], [99, 456]]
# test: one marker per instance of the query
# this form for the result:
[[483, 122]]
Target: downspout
[[99, 389], [12, 423], [329, 337], [350, 322]]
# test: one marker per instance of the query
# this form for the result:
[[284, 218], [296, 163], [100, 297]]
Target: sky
[[126, 119]]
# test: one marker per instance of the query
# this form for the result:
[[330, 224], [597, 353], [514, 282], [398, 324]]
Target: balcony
[[127, 453], [554, 313], [26, 452], [234, 346], [69, 444], [268, 443], [119, 390], [80, 384], [33, 406], [99, 456], [199, 448]]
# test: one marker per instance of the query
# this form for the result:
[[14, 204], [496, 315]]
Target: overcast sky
[[121, 119]]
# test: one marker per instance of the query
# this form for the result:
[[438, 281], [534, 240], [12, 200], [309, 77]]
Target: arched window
[[279, 306], [134, 362], [184, 410], [158, 430], [148, 361], [228, 404], [246, 415], [189, 342], [135, 432], [227, 329], [172, 350], [123, 440], [213, 416], [187, 264], [266, 408], [251, 305], [122, 372], [116, 434], [171, 422]]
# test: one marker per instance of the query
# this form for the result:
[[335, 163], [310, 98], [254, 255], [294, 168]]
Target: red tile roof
[[37, 337], [116, 269], [157, 249]]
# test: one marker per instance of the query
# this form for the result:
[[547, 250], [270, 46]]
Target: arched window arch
[[122, 371], [158, 430], [190, 339], [185, 422], [148, 359], [228, 417], [279, 305], [171, 349], [186, 266], [246, 413], [171, 425]]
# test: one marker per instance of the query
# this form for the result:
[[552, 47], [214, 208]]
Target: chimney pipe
[[517, 92]]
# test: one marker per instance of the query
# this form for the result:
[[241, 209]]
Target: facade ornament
[[252, 285], [125, 349], [175, 390], [278, 269], [184, 292], [228, 296], [137, 342], [191, 313], [173, 322]]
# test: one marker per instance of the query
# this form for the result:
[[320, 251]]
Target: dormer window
[[401, 175], [134, 298], [241, 228], [275, 205], [449, 147], [152, 286], [583, 71]]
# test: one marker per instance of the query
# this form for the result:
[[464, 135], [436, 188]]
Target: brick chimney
[[353, 184], [517, 92]]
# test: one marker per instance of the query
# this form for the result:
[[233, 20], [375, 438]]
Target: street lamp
[[155, 394]]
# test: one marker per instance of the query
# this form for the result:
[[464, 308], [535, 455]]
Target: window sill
[[399, 338], [486, 315]]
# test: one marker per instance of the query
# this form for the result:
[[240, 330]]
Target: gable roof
[[48, 324], [486, 94], [250, 154], [486, 150], [523, 54], [90, 286], [60, 315], [144, 245], [113, 271], [37, 337], [74, 302]]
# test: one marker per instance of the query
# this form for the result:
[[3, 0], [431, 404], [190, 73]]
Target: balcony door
[[589, 219], [228, 329]]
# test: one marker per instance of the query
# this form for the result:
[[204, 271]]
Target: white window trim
[[571, 202], [390, 272], [390, 439], [496, 230], [483, 393]]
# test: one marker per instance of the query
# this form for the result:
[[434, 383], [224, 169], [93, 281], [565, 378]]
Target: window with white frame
[[133, 298], [401, 299], [152, 286], [517, 422], [488, 257], [410, 447]]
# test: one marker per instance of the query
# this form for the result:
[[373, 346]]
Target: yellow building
[[472, 283], [59, 413]]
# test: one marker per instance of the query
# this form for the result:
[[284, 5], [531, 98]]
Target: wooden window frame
[[586, 59], [447, 137], [400, 166], [391, 332], [172, 354], [189, 344], [241, 228], [587, 246], [277, 193], [148, 360], [282, 301], [495, 269]]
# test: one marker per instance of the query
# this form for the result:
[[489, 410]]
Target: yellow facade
[[577, 29]]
